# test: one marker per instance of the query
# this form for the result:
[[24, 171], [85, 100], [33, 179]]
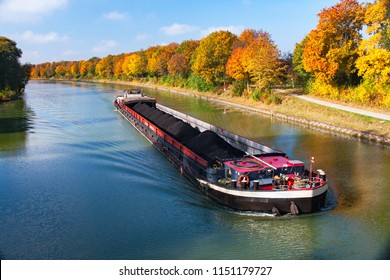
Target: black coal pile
[[183, 131], [176, 128], [207, 144], [210, 146]]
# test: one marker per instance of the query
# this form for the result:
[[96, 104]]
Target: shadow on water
[[11, 125], [386, 252], [15, 121]]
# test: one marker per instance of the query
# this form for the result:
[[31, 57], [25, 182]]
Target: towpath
[[338, 106]]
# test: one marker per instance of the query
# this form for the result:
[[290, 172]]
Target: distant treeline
[[333, 60]]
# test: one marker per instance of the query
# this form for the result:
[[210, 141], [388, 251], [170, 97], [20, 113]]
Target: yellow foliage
[[321, 88]]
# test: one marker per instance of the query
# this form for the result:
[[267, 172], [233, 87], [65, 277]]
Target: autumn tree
[[60, 70], [187, 48], [235, 66], [212, 55], [331, 50], [83, 67], [117, 63], [158, 57], [135, 64], [374, 60], [104, 68], [74, 69], [261, 61], [178, 65]]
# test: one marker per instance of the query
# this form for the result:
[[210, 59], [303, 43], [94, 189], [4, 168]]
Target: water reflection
[[15, 121]]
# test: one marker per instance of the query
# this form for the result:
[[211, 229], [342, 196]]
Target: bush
[[257, 94], [238, 88], [198, 83], [320, 88], [8, 94]]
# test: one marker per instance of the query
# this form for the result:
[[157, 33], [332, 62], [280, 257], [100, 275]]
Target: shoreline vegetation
[[310, 115], [13, 75]]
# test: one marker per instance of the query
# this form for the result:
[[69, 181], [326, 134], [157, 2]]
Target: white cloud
[[104, 46], [32, 37], [232, 28], [28, 10], [178, 29], [114, 16], [141, 37]]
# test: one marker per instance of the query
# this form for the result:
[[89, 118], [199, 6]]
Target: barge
[[232, 170]]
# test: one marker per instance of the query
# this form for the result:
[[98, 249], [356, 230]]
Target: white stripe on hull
[[277, 194]]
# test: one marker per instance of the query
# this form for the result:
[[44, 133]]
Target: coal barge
[[230, 169]]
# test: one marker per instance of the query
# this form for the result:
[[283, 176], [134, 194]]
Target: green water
[[78, 182]]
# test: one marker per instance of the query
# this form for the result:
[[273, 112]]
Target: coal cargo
[[210, 146]]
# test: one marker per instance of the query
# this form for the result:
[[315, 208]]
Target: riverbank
[[293, 110]]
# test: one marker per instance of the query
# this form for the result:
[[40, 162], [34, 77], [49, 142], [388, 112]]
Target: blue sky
[[55, 30]]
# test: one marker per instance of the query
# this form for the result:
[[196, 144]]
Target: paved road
[[340, 107]]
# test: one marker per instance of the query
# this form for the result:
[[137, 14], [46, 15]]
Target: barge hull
[[195, 169], [265, 204]]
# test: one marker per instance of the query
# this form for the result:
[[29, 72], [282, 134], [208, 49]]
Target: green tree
[[299, 69], [13, 75]]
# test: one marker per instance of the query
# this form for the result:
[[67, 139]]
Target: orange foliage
[[330, 52]]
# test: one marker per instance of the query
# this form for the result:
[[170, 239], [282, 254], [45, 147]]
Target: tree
[[135, 65], [288, 74], [299, 69], [60, 70], [13, 75], [261, 61], [104, 68], [331, 50], [187, 48], [74, 69], [235, 67], [377, 18], [374, 60], [83, 67], [178, 65], [211, 56], [117, 62]]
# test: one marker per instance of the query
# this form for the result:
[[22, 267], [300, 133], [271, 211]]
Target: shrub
[[198, 83], [257, 94], [320, 88], [238, 88]]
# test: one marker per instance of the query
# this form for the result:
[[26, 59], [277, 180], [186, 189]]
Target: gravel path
[[340, 107]]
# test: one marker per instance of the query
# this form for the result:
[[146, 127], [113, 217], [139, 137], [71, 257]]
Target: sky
[[56, 30]]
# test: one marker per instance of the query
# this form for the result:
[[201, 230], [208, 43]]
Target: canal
[[79, 182]]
